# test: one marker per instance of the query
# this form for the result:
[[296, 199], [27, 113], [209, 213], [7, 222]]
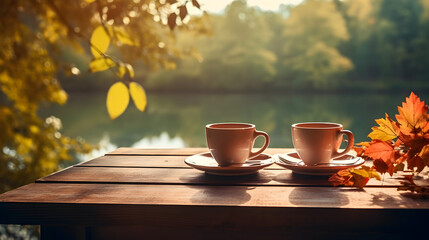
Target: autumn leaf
[[100, 41], [424, 154], [354, 177], [416, 162], [123, 69], [380, 150], [381, 166], [364, 144], [196, 4], [172, 21], [101, 64], [341, 178], [123, 36], [412, 115], [138, 95], [366, 172], [414, 143], [359, 151], [399, 167], [387, 129], [183, 12], [117, 100]]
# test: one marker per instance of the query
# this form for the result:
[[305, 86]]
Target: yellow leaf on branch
[[138, 95], [123, 69], [100, 41], [101, 64], [124, 37], [117, 100]]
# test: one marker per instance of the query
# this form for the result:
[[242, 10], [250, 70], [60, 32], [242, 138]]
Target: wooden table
[[152, 194]]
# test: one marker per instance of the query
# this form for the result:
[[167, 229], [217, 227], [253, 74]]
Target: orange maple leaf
[[380, 150], [381, 166], [413, 115]]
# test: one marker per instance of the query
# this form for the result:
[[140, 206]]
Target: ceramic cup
[[232, 143], [318, 142]]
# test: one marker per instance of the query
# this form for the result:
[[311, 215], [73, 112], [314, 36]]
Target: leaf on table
[[117, 100], [387, 129], [138, 95], [414, 143], [416, 162], [341, 178], [366, 172], [413, 115], [381, 166], [424, 154], [356, 177], [399, 167], [380, 150], [101, 64], [100, 41]]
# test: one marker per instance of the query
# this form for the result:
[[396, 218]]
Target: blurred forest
[[333, 45]]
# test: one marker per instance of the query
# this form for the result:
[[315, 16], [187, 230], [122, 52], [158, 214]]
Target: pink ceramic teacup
[[232, 143], [318, 142]]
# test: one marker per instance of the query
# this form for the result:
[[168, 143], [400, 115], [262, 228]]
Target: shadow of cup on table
[[291, 178], [225, 189]]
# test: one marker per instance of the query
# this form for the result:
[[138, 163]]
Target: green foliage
[[327, 45], [311, 36]]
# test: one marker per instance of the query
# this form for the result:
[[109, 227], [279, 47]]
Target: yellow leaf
[[124, 37], [130, 70], [123, 69], [101, 64], [138, 95], [100, 41], [387, 130], [89, 1], [117, 100]]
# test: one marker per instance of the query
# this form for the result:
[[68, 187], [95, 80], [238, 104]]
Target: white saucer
[[293, 162], [205, 162]]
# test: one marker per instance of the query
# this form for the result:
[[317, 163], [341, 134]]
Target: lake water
[[178, 120]]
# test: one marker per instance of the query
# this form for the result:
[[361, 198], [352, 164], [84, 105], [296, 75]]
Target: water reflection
[[161, 141], [179, 120]]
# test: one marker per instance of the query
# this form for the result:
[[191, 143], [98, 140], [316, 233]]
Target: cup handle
[[267, 141], [350, 144]]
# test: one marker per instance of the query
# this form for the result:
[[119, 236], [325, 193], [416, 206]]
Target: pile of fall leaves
[[396, 146]]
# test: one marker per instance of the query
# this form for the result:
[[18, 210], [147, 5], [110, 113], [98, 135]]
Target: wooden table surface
[[152, 194]]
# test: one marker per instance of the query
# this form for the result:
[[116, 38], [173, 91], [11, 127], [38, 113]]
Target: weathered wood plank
[[179, 176], [101, 204], [256, 196], [134, 161], [179, 151]]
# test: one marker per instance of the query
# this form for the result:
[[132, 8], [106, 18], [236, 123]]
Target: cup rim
[[238, 126], [322, 125]]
